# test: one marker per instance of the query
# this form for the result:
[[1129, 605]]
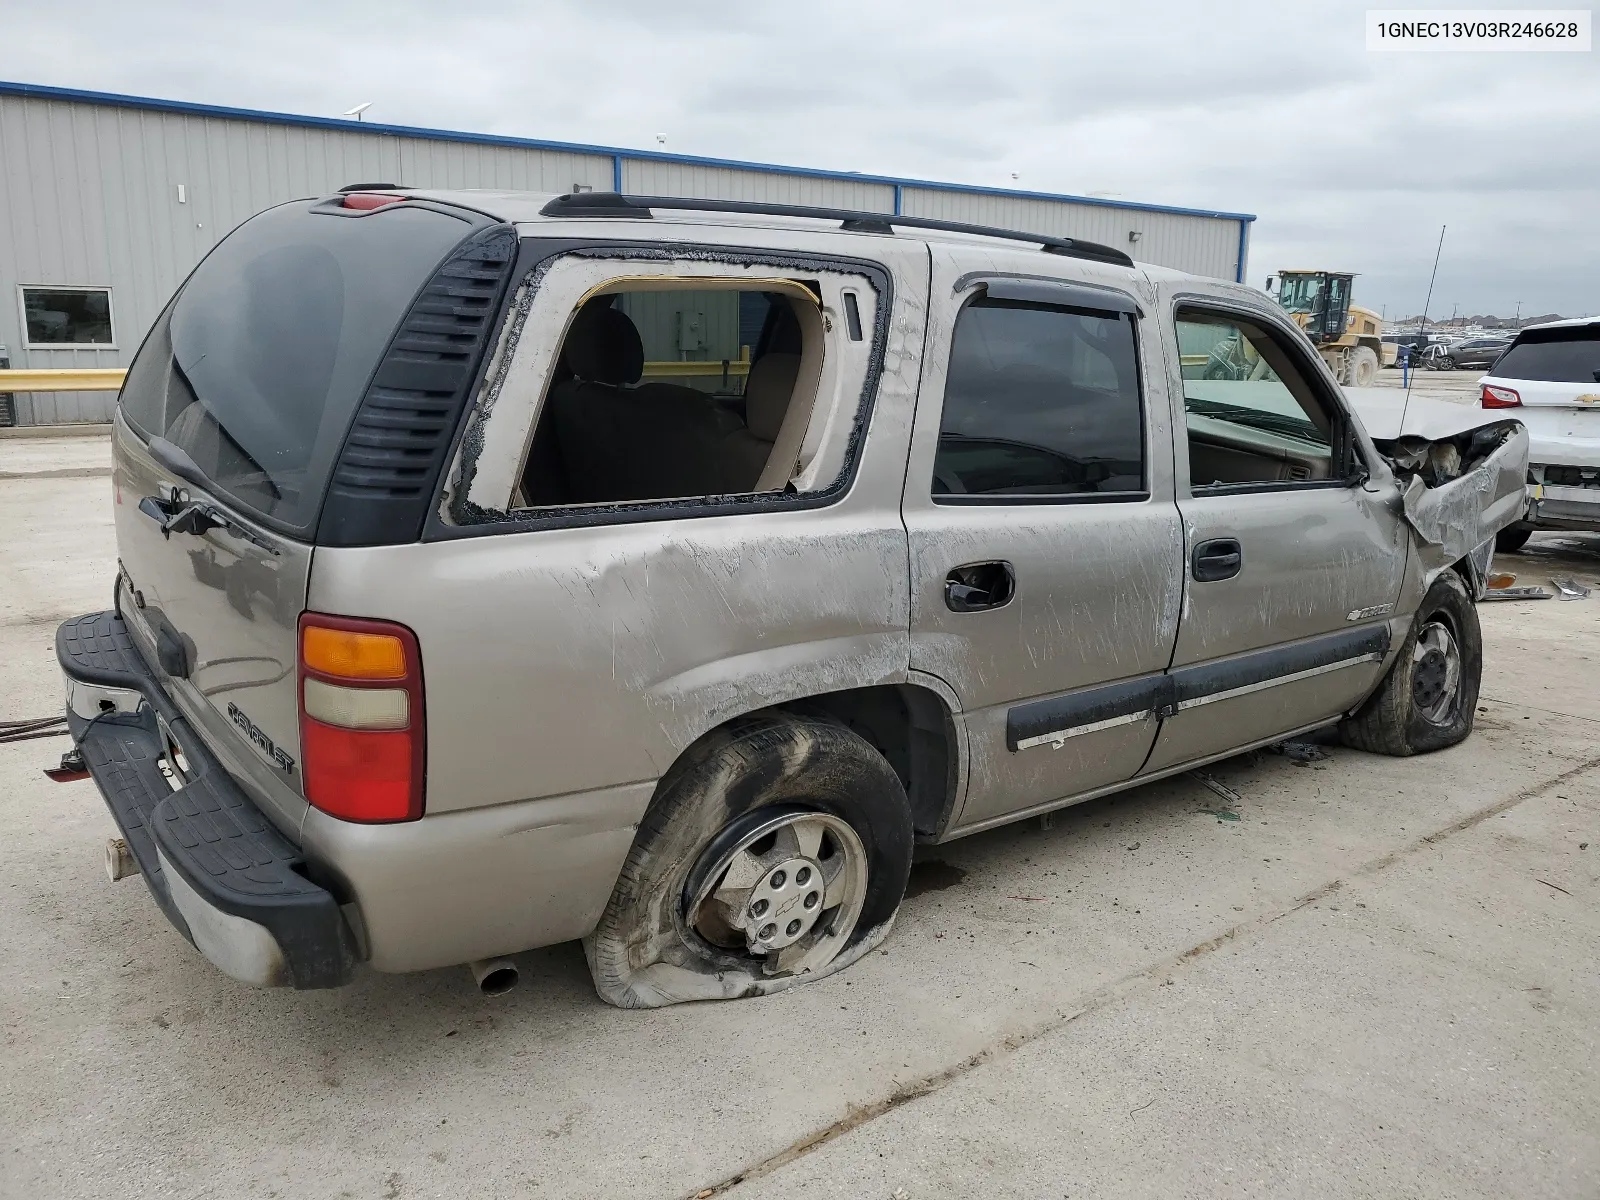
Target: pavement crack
[[858, 1115]]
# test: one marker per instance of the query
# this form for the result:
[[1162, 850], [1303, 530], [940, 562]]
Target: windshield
[[1300, 293], [257, 367]]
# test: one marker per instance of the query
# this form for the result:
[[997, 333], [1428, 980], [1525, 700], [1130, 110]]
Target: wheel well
[[912, 728]]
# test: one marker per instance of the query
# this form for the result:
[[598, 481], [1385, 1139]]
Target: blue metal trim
[[616, 173], [1244, 242], [899, 208], [114, 99]]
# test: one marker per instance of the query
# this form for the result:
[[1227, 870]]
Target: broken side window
[[638, 381], [667, 394]]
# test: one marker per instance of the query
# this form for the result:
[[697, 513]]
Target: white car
[[1551, 376]]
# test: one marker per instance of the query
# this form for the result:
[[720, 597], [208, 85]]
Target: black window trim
[[1349, 460], [1064, 296], [536, 254], [111, 315]]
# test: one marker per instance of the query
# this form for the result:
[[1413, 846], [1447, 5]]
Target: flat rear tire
[[775, 851]]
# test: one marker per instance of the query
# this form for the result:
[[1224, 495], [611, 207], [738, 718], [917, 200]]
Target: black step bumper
[[225, 877]]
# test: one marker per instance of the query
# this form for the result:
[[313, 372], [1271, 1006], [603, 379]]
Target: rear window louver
[[395, 449]]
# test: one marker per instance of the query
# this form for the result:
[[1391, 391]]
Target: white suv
[[1551, 375]]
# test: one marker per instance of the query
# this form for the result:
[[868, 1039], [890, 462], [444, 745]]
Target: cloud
[[1351, 160]]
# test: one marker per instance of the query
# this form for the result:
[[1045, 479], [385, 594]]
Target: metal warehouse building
[[107, 202]]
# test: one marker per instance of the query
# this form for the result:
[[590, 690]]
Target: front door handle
[[1219, 558], [978, 586]]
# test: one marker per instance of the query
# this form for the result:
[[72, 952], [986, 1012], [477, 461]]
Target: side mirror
[[1272, 283]]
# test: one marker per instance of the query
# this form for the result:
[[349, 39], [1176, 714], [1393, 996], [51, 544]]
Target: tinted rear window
[[1570, 355], [256, 368]]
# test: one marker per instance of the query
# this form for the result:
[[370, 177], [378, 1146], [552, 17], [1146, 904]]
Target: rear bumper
[[224, 876], [1554, 507]]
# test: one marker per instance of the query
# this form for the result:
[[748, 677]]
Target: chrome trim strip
[[1057, 737], [1266, 683]]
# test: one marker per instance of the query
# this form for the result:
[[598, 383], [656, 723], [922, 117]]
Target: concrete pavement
[[1380, 981]]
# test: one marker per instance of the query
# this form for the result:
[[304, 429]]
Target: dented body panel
[[571, 654], [1098, 585]]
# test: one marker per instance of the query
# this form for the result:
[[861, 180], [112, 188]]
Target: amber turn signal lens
[[352, 655]]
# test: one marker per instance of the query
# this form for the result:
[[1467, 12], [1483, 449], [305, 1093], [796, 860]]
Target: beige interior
[[603, 437]]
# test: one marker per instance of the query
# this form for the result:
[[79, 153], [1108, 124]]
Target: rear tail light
[[362, 730], [1500, 397]]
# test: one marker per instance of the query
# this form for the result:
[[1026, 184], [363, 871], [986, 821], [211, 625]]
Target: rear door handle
[[1219, 558], [978, 586]]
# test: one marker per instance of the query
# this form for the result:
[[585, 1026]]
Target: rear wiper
[[196, 517]]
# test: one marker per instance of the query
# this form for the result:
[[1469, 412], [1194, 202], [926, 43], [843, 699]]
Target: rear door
[[229, 427], [1045, 544], [1293, 562]]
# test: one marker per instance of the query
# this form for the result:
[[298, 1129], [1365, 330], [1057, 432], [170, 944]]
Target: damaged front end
[[1459, 490]]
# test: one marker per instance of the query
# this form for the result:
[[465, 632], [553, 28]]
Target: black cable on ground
[[37, 727]]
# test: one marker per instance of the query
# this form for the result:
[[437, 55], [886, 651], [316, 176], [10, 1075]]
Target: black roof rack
[[615, 204]]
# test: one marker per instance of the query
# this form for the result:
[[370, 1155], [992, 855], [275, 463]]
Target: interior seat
[[744, 452], [619, 442]]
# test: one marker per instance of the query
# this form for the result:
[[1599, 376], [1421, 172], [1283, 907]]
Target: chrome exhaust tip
[[494, 976]]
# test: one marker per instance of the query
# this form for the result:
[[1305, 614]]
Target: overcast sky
[[1351, 160]]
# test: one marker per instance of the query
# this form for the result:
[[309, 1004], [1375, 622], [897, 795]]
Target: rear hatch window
[[1570, 354], [256, 368]]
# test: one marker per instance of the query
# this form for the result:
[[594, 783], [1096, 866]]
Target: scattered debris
[[900, 1194], [1221, 789], [1135, 846], [1570, 588], [1517, 593], [1501, 581], [1583, 845], [1221, 814], [1027, 897], [1300, 752], [1548, 884]]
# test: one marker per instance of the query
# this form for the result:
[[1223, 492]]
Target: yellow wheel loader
[[1346, 335]]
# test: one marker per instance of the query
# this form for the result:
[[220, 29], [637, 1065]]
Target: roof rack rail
[[615, 204], [370, 187]]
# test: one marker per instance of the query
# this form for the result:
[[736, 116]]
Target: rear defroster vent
[[395, 450]]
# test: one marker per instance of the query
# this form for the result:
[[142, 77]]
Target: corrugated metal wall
[[1201, 245], [727, 183], [89, 197]]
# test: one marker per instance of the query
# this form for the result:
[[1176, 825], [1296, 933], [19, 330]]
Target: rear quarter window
[[256, 367]]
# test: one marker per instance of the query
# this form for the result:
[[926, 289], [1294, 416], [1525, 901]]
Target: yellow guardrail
[[685, 370], [63, 379], [103, 379]]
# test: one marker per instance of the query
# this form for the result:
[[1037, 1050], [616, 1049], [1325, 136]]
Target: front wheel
[[775, 851], [1363, 366], [1428, 699]]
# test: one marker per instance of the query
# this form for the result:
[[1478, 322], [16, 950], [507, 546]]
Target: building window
[[67, 316]]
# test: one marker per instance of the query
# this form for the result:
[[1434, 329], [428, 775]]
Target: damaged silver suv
[[500, 570]]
